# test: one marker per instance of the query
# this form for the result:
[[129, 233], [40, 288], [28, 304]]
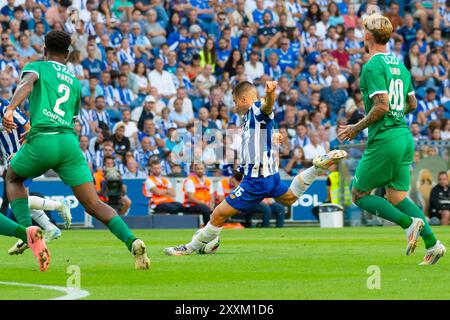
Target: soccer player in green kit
[[388, 95], [54, 95]]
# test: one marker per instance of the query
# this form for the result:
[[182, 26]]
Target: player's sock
[[381, 207], [42, 220], [207, 234], [120, 229], [11, 229], [302, 181], [21, 211], [39, 203], [410, 209]]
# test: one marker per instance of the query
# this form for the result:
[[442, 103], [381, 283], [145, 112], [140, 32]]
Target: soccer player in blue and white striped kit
[[10, 144], [258, 164]]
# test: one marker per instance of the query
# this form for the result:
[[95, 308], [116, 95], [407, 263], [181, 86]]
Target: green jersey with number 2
[[55, 98], [385, 73]]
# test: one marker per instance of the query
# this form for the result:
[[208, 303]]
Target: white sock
[[41, 219], [302, 181], [207, 234], [38, 203]]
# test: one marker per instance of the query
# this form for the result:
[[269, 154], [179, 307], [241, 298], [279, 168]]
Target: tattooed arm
[[380, 108]]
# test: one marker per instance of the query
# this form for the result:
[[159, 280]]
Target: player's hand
[[271, 86], [277, 138], [8, 121], [10, 157], [23, 137], [348, 132]]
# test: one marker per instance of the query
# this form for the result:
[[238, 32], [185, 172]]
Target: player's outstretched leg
[[51, 231], [62, 207], [87, 196], [303, 180], [212, 230]]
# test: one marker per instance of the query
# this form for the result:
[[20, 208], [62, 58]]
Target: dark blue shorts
[[252, 191]]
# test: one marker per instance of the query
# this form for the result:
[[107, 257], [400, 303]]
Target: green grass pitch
[[289, 263]]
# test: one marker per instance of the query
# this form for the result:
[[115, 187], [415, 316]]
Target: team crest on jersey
[[232, 196]]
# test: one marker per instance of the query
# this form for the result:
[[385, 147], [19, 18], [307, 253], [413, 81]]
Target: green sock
[[381, 207], [21, 211], [410, 209], [11, 229], [120, 229]]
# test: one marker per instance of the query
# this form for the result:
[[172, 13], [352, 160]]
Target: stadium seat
[[447, 106], [114, 115], [420, 93]]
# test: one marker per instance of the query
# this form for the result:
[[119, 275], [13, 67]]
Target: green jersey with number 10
[[385, 73], [55, 98]]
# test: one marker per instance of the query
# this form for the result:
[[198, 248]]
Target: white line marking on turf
[[70, 293]]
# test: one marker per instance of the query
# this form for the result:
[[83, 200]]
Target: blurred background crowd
[[156, 72]]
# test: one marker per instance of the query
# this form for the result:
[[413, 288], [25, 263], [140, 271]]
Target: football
[[210, 247]]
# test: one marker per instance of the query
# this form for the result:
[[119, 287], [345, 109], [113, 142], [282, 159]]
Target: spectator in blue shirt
[[272, 68], [259, 12], [408, 31], [287, 56], [38, 17], [92, 65], [334, 96]]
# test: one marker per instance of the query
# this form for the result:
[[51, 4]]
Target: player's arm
[[269, 100], [411, 103], [22, 92], [380, 108]]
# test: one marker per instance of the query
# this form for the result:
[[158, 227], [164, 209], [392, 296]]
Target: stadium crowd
[[157, 75]]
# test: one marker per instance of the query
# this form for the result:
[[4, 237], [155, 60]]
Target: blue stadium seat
[[421, 92], [447, 106], [114, 115]]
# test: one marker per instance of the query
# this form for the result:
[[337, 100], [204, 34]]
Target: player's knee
[[357, 195]]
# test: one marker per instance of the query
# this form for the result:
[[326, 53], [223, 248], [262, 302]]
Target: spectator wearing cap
[[162, 80], [428, 109], [146, 112], [124, 94], [154, 31], [254, 68], [333, 95], [197, 39]]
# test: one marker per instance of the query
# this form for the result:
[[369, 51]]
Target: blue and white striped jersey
[[10, 141], [256, 154]]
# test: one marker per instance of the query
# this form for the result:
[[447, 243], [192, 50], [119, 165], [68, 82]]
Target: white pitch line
[[70, 293]]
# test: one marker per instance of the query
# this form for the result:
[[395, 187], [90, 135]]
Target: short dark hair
[[57, 42], [242, 87], [154, 162], [237, 175], [442, 173]]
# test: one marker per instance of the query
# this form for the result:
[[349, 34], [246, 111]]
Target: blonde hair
[[380, 27]]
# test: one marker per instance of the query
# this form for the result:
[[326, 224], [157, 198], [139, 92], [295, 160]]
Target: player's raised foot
[[139, 251], [52, 234], [18, 248], [327, 160], [65, 213], [36, 242], [178, 251], [434, 254], [413, 234]]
